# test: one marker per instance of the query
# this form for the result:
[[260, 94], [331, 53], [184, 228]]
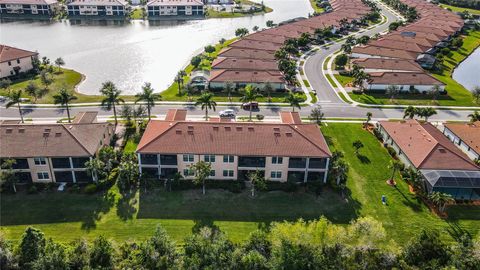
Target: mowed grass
[[404, 215], [457, 94], [343, 80], [66, 216], [461, 9]]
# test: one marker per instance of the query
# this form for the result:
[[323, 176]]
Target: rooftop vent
[[190, 127], [277, 134], [289, 134], [47, 130], [228, 128], [190, 132], [58, 134], [276, 129], [46, 134], [251, 129], [441, 150], [239, 128]]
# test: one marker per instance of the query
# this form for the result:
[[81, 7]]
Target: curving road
[[331, 104]]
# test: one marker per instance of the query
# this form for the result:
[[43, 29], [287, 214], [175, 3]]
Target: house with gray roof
[[54, 152], [10, 8]]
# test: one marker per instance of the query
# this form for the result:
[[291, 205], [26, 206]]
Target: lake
[[467, 72], [132, 53]]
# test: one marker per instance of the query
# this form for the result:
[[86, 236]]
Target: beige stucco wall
[[25, 66]]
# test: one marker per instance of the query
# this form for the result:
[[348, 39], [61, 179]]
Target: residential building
[[244, 64], [443, 166], [426, 61], [101, 8], [14, 61], [465, 136], [290, 150], [240, 78], [369, 51], [54, 152], [406, 81], [160, 8], [28, 7], [376, 65]]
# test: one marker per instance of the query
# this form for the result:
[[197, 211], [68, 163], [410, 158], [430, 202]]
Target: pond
[[132, 53], [467, 72]]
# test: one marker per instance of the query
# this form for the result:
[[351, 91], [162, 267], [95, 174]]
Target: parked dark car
[[250, 106]]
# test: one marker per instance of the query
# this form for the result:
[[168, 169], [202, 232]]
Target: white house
[[28, 7], [161, 8], [97, 8], [405, 81], [465, 136], [14, 61]]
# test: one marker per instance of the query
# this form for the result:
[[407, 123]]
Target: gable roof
[[233, 138], [387, 64], [469, 133], [403, 78], [426, 147], [245, 76], [8, 53], [244, 64], [247, 53], [29, 2], [384, 52]]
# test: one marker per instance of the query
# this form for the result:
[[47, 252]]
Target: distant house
[[166, 8], [14, 61], [101, 8], [54, 152], [444, 167], [376, 65], [426, 61], [218, 2], [465, 136], [240, 78], [28, 7], [406, 82], [290, 150]]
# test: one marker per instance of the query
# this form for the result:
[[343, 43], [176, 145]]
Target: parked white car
[[227, 113]]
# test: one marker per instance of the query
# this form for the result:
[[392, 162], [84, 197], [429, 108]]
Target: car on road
[[250, 106], [227, 113]]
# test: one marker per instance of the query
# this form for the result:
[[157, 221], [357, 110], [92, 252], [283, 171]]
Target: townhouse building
[[14, 61], [45, 8], [169, 8], [290, 150], [54, 152], [100, 8], [465, 136]]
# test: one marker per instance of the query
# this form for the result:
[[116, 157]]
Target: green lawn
[[460, 9], [404, 215], [457, 94], [66, 216], [137, 14], [343, 80]]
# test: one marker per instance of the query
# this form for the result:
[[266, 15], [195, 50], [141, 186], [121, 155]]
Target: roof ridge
[[159, 135], [308, 139], [76, 139]]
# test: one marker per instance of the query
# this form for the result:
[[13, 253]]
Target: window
[[43, 176], [228, 159], [227, 173], [277, 160], [18, 61], [40, 161], [188, 172], [188, 158], [212, 173], [209, 158], [276, 174], [9, 63], [149, 159]]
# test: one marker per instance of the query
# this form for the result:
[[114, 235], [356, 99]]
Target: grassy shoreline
[[461, 9], [212, 13]]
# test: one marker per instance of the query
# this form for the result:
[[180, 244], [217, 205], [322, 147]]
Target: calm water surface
[[467, 73], [135, 52]]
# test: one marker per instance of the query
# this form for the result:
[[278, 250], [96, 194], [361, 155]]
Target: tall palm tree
[[112, 97], [440, 199], [229, 89], [369, 118], [395, 165], [180, 80], [294, 100], [250, 95], [201, 170], [475, 116], [435, 91], [410, 112], [148, 96], [206, 101], [63, 97], [15, 98], [427, 112], [392, 91]]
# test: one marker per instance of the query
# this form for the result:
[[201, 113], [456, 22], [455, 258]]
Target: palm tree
[[15, 97], [32, 90], [206, 101], [179, 79], [369, 118], [475, 116], [112, 97], [63, 97], [95, 168], [427, 112], [340, 171], [317, 115], [395, 165], [392, 91], [440, 199], [258, 181], [268, 89], [250, 95], [410, 112], [148, 96], [357, 145], [229, 89], [202, 171], [294, 100]]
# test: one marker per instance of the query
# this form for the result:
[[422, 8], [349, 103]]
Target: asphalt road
[[331, 104]]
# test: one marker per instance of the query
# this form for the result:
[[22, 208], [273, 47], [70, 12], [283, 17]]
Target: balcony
[[148, 159], [168, 159], [317, 163], [297, 163], [251, 162]]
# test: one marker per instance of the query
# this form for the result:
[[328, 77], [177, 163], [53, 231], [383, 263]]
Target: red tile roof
[[244, 64], [384, 52], [469, 133], [387, 64], [403, 78], [233, 138], [246, 76], [246, 53], [8, 53], [426, 147], [256, 45]]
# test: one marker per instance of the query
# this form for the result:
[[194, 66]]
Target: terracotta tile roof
[[403, 78], [244, 64], [282, 32], [176, 115], [468, 133], [245, 76], [246, 53], [233, 138], [261, 36], [429, 36], [415, 28], [52, 140], [290, 117], [85, 117], [255, 45], [387, 64], [422, 41], [8, 53], [384, 52], [399, 45], [426, 147]]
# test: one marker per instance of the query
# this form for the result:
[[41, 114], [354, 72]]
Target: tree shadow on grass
[[455, 230], [415, 206], [127, 205], [363, 159], [90, 220]]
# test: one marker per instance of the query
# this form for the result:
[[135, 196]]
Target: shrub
[[391, 151], [90, 189], [260, 117], [234, 186], [32, 189], [341, 60], [378, 134]]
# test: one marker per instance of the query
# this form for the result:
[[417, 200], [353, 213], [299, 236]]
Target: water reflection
[[130, 53]]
